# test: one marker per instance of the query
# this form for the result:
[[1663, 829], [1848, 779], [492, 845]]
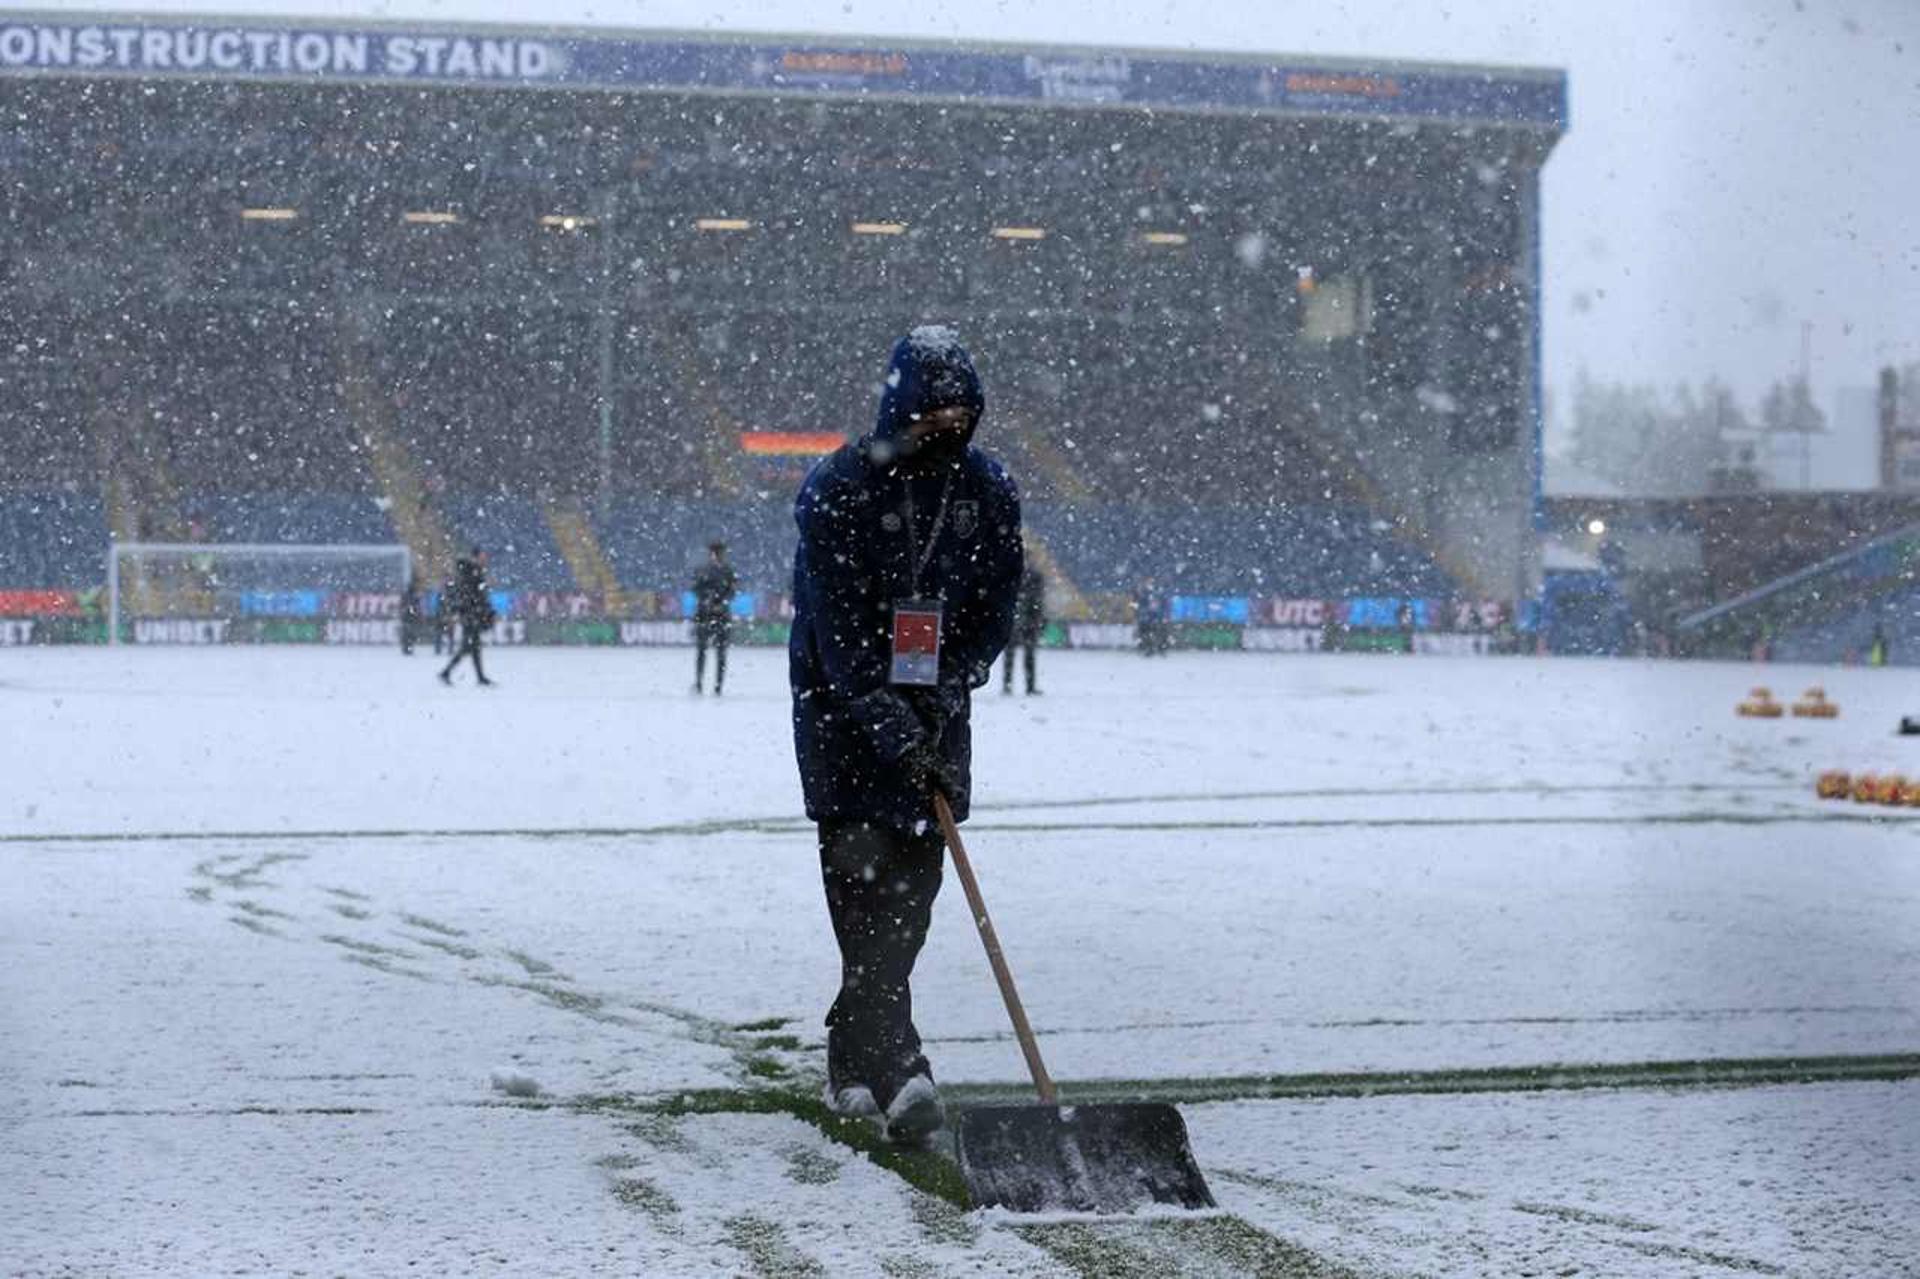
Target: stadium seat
[[52, 540], [512, 529]]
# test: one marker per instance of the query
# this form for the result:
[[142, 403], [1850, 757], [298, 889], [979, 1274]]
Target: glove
[[928, 770], [892, 723], [941, 704]]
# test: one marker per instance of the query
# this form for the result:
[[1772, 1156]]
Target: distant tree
[[1907, 396], [1613, 425], [1788, 409], [1557, 439], [1652, 445], [1703, 427], [1787, 412]]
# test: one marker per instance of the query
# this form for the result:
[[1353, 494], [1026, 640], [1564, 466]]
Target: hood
[[929, 370]]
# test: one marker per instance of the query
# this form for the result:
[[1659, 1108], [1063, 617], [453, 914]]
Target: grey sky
[[1735, 167]]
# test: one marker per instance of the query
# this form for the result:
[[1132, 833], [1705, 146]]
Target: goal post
[[229, 580]]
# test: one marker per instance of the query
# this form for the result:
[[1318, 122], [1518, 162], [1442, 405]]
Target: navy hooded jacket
[[853, 562]]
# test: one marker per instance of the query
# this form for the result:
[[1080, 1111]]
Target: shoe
[[485, 682], [915, 1112], [1006, 690], [855, 1101], [698, 690], [446, 679]]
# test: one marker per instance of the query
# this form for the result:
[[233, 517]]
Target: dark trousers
[[1029, 648], [880, 889], [469, 647], [714, 633]]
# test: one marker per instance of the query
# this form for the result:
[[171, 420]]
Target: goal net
[[219, 593]]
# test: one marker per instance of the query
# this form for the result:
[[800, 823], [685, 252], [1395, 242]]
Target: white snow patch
[[257, 1050], [515, 1084]]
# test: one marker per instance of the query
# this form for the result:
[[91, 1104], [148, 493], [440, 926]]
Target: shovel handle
[[1042, 1082]]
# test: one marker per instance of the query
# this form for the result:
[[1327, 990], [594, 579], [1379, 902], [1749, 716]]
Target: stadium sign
[[15, 631], [181, 630], [270, 51], [40, 604], [362, 630], [1099, 79], [1289, 612], [1283, 639], [1449, 644], [552, 604], [679, 62], [1101, 635], [373, 605], [651, 634], [507, 630]]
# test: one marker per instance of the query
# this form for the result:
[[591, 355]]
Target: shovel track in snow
[[992, 816], [1208, 1245]]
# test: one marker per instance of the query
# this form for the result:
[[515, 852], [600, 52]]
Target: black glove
[[928, 770], [940, 704], [892, 723]]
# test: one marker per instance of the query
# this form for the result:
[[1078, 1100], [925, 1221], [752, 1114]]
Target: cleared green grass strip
[[1812, 817], [787, 823], [933, 1170], [1821, 818], [1120, 1249], [1371, 792], [751, 825], [929, 1170], [1722, 1073]]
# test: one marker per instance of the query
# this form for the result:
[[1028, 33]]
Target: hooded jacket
[[471, 601], [865, 515]]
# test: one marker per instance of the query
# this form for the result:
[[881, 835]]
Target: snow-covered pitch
[[1461, 967]]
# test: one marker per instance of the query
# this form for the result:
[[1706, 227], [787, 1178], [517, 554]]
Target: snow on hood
[[929, 369]]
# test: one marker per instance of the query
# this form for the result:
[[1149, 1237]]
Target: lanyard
[[919, 559]]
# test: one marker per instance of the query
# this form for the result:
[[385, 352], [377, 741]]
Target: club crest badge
[[966, 518], [890, 522]]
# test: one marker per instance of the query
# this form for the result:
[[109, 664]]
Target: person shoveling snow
[[905, 579]]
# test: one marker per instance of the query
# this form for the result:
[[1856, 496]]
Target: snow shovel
[[1053, 1158]]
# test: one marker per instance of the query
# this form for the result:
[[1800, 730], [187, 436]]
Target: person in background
[[443, 618], [1150, 619], [714, 586], [472, 605], [410, 614], [1029, 623]]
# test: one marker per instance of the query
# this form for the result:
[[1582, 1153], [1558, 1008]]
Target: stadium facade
[[1260, 327]]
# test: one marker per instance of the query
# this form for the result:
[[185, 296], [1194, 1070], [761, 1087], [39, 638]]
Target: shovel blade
[[1098, 1159]]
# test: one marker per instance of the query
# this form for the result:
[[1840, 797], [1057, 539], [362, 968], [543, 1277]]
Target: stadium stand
[[1279, 344], [1818, 612], [1849, 635], [289, 517], [1294, 551], [655, 543], [1723, 575], [51, 540], [513, 530]]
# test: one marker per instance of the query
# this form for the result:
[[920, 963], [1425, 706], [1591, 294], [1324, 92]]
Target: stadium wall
[[1372, 624]]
